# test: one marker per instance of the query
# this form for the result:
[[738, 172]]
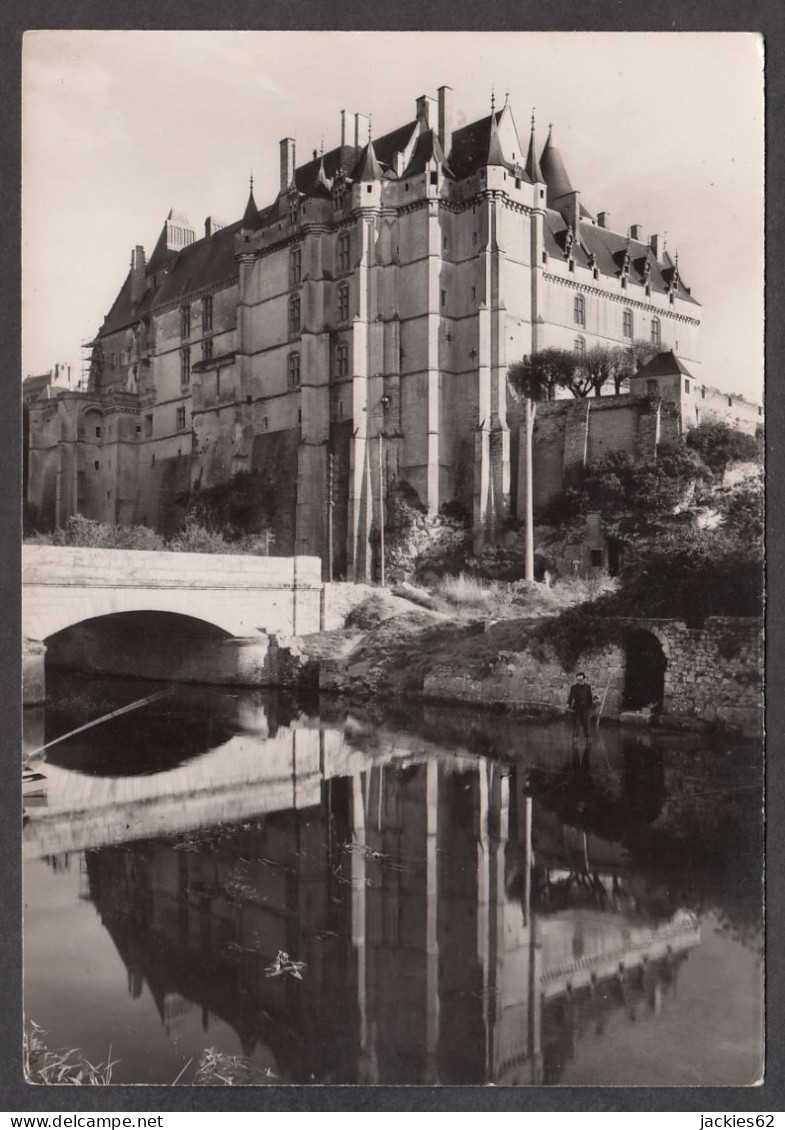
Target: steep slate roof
[[211, 260], [608, 247], [199, 265], [368, 167], [665, 364], [553, 170]]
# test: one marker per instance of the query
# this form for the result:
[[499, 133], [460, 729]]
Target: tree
[[630, 358], [538, 376], [600, 364], [719, 445]]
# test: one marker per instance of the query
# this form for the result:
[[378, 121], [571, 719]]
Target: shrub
[[719, 445]]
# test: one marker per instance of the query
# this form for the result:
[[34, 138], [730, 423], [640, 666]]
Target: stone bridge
[[214, 614]]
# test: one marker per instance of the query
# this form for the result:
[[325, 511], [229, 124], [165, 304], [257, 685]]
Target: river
[[306, 892]]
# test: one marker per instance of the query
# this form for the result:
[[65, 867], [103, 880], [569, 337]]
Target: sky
[[662, 129]]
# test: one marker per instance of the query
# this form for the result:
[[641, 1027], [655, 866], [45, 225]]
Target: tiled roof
[[367, 168], [608, 248], [200, 265], [533, 170], [250, 220], [665, 364]]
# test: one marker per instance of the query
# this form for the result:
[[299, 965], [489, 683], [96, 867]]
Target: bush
[[85, 533], [719, 445]]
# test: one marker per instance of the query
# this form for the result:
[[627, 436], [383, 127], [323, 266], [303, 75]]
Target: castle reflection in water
[[453, 929]]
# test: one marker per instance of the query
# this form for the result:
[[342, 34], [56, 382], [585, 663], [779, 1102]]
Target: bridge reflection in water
[[453, 930]]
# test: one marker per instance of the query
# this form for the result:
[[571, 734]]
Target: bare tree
[[538, 376]]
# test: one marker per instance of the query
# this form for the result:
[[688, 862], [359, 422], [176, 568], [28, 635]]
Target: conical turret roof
[[533, 170], [553, 170], [368, 167], [250, 221], [495, 152]]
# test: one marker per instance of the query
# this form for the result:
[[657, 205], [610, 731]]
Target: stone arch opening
[[144, 644], [644, 680]]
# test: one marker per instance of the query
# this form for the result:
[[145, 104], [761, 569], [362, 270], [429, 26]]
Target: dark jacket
[[580, 697]]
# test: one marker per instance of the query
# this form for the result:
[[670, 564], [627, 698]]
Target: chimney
[[360, 140], [445, 118], [348, 127], [636, 231], [211, 226], [423, 108], [604, 219], [654, 244], [570, 207], [138, 279], [287, 163]]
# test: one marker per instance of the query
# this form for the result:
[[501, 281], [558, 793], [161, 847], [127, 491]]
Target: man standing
[[580, 703]]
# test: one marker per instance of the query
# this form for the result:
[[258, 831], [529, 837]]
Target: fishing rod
[[602, 704], [104, 718]]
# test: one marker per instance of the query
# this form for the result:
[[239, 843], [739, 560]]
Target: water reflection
[[459, 917]]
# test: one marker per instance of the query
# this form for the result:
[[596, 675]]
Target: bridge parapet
[[244, 596]]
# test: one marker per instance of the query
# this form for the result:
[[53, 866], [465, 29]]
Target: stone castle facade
[[354, 332]]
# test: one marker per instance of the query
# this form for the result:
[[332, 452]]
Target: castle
[[355, 332]]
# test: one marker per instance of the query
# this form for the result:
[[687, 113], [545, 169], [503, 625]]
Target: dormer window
[[651, 388]]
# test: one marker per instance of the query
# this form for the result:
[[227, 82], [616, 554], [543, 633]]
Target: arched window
[[293, 370], [580, 310], [294, 314], [342, 359], [627, 325], [343, 303], [655, 331], [580, 345], [295, 264]]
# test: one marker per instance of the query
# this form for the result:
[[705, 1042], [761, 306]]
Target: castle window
[[207, 313], [181, 418], [444, 298], [580, 345], [294, 314], [138, 429], [474, 238], [340, 409], [299, 415], [686, 385], [185, 321], [218, 382], [264, 423], [703, 393], [651, 388], [97, 433], [444, 243], [730, 401], [97, 465], [596, 557], [343, 303], [207, 349], [342, 360], [185, 366], [295, 265], [655, 331], [344, 251], [627, 323], [474, 294], [148, 426], [579, 312], [434, 178], [293, 370]]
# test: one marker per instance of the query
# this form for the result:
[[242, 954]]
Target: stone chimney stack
[[636, 231], [603, 219], [138, 278], [655, 245], [348, 127], [287, 163], [445, 118], [424, 106]]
